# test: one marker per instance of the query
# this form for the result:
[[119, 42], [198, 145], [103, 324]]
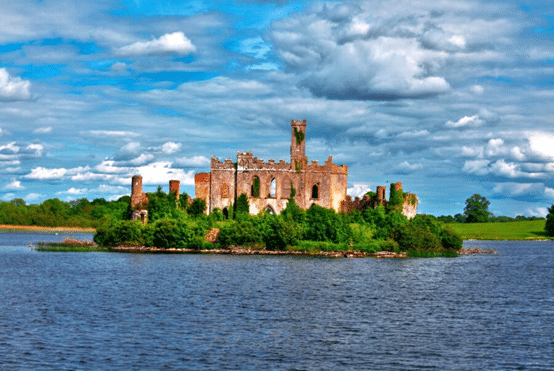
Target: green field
[[521, 231]]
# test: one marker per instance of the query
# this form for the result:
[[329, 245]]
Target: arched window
[[270, 210], [315, 191], [255, 189], [272, 188]]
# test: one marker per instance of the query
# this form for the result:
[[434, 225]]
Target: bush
[[170, 233], [325, 225], [280, 233], [370, 246], [411, 236], [130, 232], [239, 234], [361, 233], [197, 207], [428, 222], [317, 246], [389, 245], [451, 240]]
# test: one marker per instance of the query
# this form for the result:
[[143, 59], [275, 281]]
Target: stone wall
[[323, 185]]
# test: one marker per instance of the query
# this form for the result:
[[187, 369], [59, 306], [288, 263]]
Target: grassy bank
[[70, 245], [513, 231], [4, 228]]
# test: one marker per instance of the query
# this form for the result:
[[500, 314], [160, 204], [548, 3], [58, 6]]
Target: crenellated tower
[[298, 142]]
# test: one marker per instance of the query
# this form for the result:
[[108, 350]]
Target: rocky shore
[[244, 251], [476, 251]]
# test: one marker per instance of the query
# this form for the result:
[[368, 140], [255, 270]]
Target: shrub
[[428, 222], [170, 233], [325, 225], [369, 246], [361, 233], [389, 245], [280, 233], [242, 206], [240, 234], [451, 240], [197, 207], [121, 232], [411, 236]]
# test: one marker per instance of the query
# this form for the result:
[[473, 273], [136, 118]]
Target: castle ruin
[[269, 185]]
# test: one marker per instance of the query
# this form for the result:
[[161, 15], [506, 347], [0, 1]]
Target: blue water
[[130, 311]]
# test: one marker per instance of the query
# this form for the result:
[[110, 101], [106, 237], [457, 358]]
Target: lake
[[213, 312]]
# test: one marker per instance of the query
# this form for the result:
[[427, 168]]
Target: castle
[[269, 185]]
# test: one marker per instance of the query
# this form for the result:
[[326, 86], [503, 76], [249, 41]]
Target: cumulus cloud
[[406, 167], [477, 167], [10, 147], [477, 89], [73, 191], [541, 144], [13, 88], [36, 148], [43, 130], [174, 43], [41, 173], [516, 189], [358, 190], [15, 185], [162, 172], [171, 147], [142, 159], [195, 161], [354, 56], [466, 121]]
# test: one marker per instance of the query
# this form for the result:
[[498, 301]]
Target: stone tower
[[136, 192], [298, 141], [174, 188]]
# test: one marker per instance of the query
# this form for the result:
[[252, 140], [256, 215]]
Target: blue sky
[[450, 98]]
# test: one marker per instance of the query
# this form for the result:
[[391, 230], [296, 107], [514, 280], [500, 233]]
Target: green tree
[[241, 206], [477, 209], [197, 207], [549, 226]]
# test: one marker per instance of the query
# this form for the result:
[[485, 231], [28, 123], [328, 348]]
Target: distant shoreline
[[33, 228]]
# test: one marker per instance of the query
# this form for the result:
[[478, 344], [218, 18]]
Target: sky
[[450, 98]]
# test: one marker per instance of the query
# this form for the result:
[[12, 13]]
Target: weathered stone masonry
[[323, 185], [269, 185]]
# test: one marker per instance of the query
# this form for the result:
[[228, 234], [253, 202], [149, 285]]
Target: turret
[[298, 141]]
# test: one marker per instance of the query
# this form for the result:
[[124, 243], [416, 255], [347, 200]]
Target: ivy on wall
[[256, 187], [299, 134]]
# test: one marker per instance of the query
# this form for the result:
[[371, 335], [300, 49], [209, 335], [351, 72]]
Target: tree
[[477, 209], [549, 226], [242, 206], [197, 207]]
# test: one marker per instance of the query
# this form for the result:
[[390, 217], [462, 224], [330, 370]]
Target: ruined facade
[[139, 199], [408, 207], [269, 185]]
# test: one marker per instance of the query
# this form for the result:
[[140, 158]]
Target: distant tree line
[[477, 211]]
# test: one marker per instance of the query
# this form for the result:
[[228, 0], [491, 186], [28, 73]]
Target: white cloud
[[495, 147], [195, 161], [142, 159], [517, 154], [516, 189], [42, 173], [414, 134], [105, 188], [466, 121], [113, 133], [10, 147], [1, 131], [171, 147], [359, 190], [43, 130], [90, 176], [540, 212], [38, 148], [73, 191], [162, 172], [15, 185], [118, 67], [13, 88], [477, 89], [33, 196], [405, 166], [108, 166], [541, 144], [472, 151], [175, 42], [477, 167]]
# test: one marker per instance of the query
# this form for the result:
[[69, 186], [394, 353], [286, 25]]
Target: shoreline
[[243, 251], [33, 228]]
